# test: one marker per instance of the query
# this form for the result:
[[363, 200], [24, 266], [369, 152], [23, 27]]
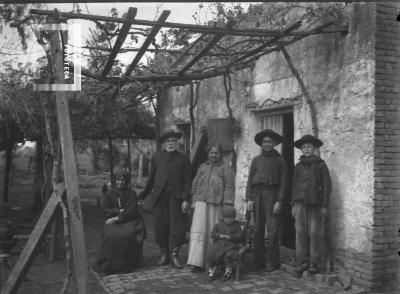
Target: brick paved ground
[[167, 279]]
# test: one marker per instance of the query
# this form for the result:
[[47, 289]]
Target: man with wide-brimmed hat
[[167, 193], [266, 191], [310, 199]]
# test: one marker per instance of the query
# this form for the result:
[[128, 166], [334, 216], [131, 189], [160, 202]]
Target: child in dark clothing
[[310, 200], [226, 235]]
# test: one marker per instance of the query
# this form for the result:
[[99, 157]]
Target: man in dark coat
[[267, 189], [310, 199], [167, 194]]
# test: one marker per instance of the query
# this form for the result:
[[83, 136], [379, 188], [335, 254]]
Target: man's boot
[[164, 257], [175, 261]]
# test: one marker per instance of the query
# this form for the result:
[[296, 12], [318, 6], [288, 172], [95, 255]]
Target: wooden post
[[70, 172], [110, 154], [140, 169], [129, 163], [9, 148], [53, 240]]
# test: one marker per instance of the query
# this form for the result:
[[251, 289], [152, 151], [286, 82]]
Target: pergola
[[182, 70]]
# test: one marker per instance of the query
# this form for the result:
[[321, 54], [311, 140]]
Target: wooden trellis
[[180, 72]]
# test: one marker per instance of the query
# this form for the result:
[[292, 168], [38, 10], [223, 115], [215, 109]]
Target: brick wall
[[385, 260]]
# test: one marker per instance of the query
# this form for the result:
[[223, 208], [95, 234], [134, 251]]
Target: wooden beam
[[293, 40], [164, 15], [53, 239], [167, 78], [270, 42], [70, 172], [190, 27], [186, 52], [120, 40], [131, 49], [204, 51], [27, 255]]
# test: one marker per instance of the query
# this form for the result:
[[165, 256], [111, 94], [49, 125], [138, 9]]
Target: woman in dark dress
[[124, 230]]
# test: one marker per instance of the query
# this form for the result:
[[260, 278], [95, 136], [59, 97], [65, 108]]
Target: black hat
[[308, 139], [268, 133], [168, 134]]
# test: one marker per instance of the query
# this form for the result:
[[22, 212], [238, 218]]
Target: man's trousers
[[169, 222], [264, 201], [308, 223]]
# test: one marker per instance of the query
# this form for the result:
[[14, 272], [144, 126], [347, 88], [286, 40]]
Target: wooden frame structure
[[180, 73]]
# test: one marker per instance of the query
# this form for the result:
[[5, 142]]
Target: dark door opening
[[287, 234]]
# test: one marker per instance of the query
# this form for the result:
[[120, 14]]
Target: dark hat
[[169, 134], [268, 133], [308, 139], [228, 211]]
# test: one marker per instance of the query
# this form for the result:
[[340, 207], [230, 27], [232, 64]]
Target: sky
[[180, 12]]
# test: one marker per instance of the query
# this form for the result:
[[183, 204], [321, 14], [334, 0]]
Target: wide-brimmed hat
[[308, 139], [169, 134], [267, 133], [228, 212]]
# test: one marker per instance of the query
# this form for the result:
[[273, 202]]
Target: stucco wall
[[338, 71]]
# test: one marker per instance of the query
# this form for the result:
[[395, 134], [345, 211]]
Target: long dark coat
[[169, 184], [220, 247], [122, 245], [170, 169], [311, 182], [269, 169]]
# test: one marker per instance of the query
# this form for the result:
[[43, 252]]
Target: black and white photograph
[[199, 147]]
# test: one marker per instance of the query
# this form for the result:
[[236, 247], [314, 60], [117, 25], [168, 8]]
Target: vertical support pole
[[59, 162], [54, 224], [70, 172], [9, 148], [140, 169], [110, 154], [129, 163]]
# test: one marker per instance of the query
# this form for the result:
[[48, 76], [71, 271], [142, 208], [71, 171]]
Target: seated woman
[[124, 230]]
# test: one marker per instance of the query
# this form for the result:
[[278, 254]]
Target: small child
[[310, 200], [227, 235]]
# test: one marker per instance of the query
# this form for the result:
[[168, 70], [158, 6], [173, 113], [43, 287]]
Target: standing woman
[[124, 230], [212, 188]]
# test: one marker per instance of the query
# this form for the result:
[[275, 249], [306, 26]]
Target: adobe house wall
[[339, 73]]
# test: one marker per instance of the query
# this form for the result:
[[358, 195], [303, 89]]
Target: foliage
[[101, 113], [17, 16], [20, 111]]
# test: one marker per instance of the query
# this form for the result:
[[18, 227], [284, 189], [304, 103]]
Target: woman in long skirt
[[212, 188], [124, 230]]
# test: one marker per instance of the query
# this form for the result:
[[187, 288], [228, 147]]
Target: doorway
[[282, 122]]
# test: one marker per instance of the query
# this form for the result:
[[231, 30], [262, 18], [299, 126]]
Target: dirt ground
[[45, 276]]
